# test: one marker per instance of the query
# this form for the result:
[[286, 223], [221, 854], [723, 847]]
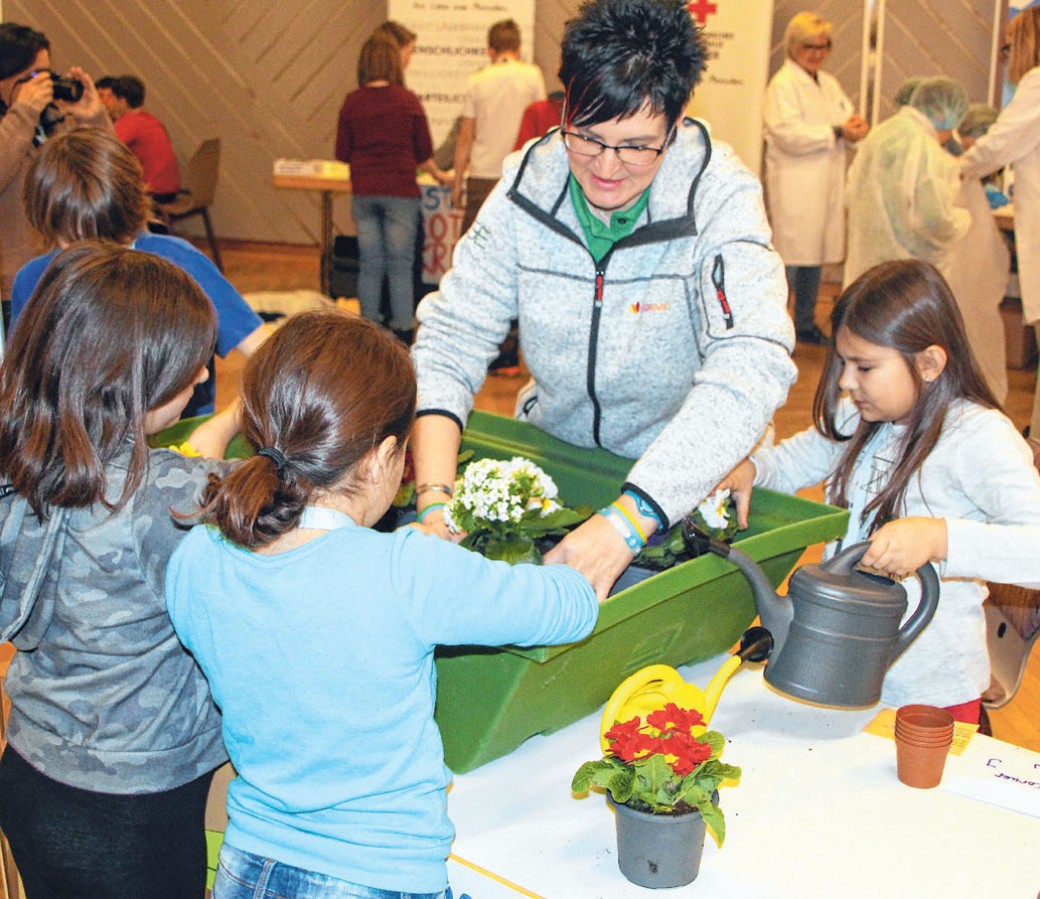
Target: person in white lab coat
[[978, 267], [808, 123], [903, 186], [1015, 139]]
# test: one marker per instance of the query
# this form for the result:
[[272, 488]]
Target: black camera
[[68, 89]]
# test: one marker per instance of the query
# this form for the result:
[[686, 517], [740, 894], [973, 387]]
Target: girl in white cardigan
[[910, 440]]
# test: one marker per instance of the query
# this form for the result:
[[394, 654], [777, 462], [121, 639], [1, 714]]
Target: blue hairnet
[[941, 99], [906, 89]]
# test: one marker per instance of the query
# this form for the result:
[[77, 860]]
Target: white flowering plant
[[716, 516], [506, 507]]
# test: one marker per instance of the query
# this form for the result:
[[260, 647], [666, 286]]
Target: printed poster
[[729, 97], [452, 45]]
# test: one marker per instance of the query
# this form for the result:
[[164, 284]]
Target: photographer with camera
[[34, 103]]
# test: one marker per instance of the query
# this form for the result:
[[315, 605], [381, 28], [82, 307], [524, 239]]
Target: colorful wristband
[[630, 518], [643, 507], [625, 526], [421, 515]]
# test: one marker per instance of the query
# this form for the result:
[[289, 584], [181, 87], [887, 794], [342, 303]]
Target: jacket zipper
[[597, 309]]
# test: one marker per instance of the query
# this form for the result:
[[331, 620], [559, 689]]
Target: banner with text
[[452, 45], [729, 97]]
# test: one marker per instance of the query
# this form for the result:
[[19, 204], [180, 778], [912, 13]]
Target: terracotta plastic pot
[[659, 851], [927, 717], [923, 738]]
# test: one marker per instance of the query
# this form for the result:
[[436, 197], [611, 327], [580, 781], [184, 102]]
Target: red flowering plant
[[668, 765]]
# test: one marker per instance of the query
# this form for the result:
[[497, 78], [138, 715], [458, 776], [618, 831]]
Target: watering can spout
[[775, 611]]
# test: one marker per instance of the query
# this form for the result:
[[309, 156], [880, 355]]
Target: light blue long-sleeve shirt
[[321, 659]]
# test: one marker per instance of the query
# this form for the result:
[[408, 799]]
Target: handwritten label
[[1000, 774], [1028, 781]]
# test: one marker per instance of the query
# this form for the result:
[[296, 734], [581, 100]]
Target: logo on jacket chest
[[640, 308]]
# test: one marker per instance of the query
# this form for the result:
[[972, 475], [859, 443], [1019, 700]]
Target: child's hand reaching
[[902, 546], [740, 482]]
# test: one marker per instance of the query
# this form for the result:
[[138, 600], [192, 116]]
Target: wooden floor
[[262, 267]]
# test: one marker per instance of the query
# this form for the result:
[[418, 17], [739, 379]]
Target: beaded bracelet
[[421, 515], [626, 527], [435, 488]]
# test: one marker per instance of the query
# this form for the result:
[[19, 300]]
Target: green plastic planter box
[[489, 700]]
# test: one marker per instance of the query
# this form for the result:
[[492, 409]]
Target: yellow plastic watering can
[[653, 687]]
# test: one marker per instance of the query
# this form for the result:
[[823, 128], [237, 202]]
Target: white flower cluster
[[714, 509], [494, 490]]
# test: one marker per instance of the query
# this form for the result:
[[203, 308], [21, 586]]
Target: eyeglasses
[[817, 48], [580, 145]]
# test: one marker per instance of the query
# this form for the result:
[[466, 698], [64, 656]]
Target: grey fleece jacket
[[673, 350], [103, 695]]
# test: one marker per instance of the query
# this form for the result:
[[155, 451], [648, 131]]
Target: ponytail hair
[[905, 305], [108, 335], [319, 395]]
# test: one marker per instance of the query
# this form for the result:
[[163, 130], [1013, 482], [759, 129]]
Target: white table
[[819, 813]]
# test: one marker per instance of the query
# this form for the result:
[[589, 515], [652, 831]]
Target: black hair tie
[[276, 456]]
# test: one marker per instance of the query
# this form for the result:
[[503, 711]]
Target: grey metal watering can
[[838, 630]]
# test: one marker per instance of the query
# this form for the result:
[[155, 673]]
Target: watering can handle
[[844, 563], [926, 607]]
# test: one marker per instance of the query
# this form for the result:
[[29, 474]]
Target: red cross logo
[[701, 9]]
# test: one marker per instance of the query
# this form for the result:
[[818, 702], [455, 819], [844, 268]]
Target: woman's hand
[[855, 128], [36, 93], [597, 551], [87, 106], [902, 546], [740, 482]]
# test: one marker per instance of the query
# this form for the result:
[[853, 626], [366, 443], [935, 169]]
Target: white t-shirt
[[496, 97]]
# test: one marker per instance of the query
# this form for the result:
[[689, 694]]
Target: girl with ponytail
[[317, 632]]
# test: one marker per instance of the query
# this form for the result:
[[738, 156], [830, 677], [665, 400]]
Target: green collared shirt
[[599, 235]]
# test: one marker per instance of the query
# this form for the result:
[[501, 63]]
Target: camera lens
[[68, 89]]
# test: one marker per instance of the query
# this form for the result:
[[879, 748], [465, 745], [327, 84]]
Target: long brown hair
[[380, 60], [108, 335], [907, 306], [1023, 35], [325, 390]]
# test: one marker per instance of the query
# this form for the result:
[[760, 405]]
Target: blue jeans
[[242, 875], [387, 229]]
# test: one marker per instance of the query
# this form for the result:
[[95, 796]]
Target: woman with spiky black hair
[[635, 252]]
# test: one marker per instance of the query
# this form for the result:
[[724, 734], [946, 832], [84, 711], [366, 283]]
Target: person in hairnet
[[906, 90], [979, 265], [903, 187], [974, 125]]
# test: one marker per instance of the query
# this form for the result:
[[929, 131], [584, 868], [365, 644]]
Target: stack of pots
[[924, 735]]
